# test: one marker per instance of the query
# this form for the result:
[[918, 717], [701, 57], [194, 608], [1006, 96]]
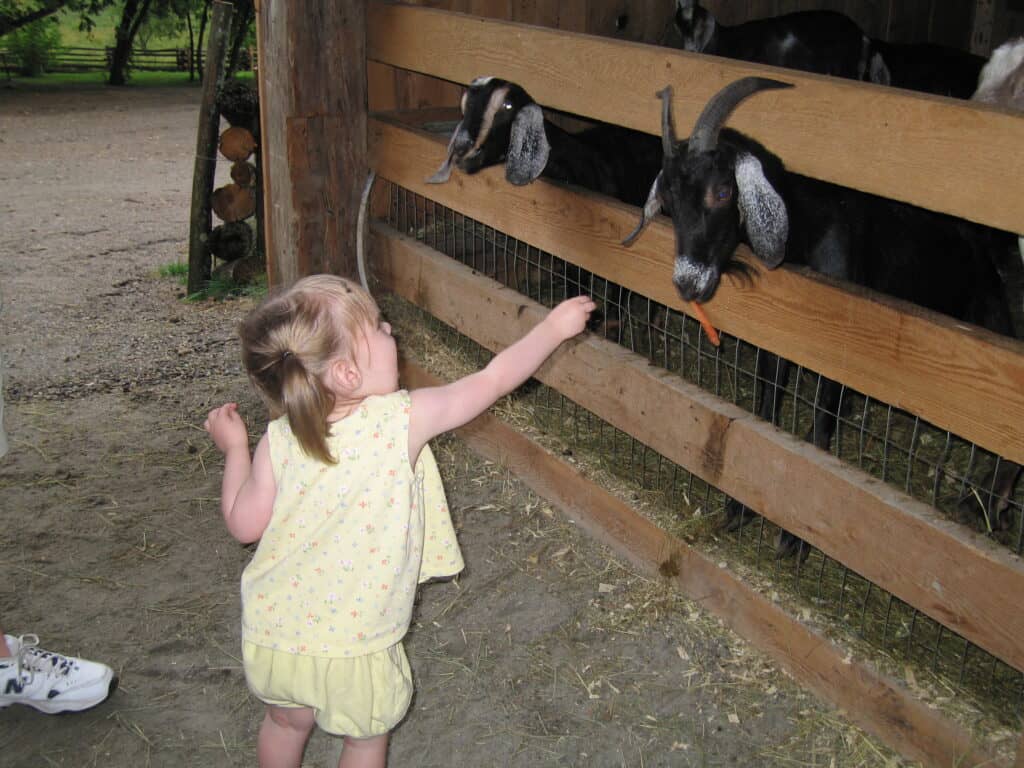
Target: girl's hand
[[227, 428], [570, 317]]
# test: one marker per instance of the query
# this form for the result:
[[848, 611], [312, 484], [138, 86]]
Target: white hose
[[361, 231]]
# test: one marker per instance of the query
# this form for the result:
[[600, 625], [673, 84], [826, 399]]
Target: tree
[[132, 16], [241, 27], [168, 17], [15, 14]]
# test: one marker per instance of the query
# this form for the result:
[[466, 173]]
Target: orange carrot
[[705, 323]]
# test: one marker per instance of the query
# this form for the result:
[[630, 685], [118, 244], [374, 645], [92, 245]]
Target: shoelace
[[26, 643], [29, 656]]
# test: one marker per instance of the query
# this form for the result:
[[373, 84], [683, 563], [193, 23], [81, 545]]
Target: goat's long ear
[[528, 149], [442, 174], [650, 210], [762, 211]]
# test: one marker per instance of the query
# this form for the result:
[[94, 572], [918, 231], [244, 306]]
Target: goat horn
[[668, 134], [705, 131]]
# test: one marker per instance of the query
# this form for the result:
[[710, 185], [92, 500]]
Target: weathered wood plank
[[871, 700], [940, 153], [313, 114], [890, 350], [959, 578]]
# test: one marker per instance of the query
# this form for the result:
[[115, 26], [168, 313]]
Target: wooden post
[[206, 150], [312, 80]]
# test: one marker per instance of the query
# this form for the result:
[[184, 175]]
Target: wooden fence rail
[[97, 59], [875, 702]]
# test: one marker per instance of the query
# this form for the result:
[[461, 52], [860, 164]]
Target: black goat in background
[[826, 42], [722, 188], [925, 67], [830, 43]]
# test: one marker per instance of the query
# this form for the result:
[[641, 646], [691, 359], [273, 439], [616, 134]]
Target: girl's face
[[377, 360]]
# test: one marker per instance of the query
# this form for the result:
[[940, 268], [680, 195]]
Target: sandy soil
[[547, 651]]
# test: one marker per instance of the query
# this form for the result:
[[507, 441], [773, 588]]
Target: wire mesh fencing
[[929, 464]]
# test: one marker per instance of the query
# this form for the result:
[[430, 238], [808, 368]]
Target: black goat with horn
[[722, 188]]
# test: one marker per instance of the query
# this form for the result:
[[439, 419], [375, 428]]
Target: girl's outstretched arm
[[439, 409], [248, 488]]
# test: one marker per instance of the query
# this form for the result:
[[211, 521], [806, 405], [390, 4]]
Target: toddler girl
[[346, 501]]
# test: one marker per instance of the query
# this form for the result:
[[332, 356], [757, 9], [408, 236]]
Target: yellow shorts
[[362, 696]]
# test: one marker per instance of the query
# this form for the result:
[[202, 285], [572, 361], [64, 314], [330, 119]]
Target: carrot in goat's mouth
[[705, 323]]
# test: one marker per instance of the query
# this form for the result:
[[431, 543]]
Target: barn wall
[[1009, 20]]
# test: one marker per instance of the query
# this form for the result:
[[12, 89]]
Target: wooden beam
[[944, 154], [313, 113], [890, 350], [871, 700], [959, 578]]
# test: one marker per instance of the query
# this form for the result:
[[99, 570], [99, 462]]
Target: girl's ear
[[345, 377]]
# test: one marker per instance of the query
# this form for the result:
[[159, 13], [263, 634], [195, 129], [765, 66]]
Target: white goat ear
[[442, 174], [762, 211], [528, 149]]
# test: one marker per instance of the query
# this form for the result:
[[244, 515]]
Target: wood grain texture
[[891, 350], [875, 702], [313, 115], [947, 155], [957, 577]]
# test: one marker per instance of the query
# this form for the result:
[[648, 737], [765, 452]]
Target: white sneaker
[[49, 681]]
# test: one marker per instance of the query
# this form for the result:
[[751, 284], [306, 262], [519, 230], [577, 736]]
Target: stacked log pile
[[236, 242]]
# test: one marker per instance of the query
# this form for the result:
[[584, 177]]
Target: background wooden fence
[[97, 59]]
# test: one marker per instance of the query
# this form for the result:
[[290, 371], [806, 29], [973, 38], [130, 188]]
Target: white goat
[[1002, 79], [1001, 83]]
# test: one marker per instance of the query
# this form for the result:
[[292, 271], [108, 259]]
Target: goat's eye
[[507, 106], [718, 196]]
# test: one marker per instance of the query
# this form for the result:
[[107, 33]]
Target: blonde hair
[[290, 341]]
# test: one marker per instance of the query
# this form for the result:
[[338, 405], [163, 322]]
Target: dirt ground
[[547, 651]]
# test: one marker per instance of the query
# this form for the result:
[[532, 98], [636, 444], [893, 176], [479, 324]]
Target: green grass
[[178, 270], [57, 80], [220, 288], [217, 288]]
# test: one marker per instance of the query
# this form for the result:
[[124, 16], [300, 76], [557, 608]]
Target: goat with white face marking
[[501, 123], [722, 188], [826, 42]]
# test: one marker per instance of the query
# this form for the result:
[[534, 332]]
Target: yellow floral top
[[335, 573]]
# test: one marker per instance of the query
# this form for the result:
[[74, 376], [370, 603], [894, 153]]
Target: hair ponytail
[[289, 343], [307, 403]]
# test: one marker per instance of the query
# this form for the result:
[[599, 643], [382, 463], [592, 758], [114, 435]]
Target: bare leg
[[364, 753], [283, 736]]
